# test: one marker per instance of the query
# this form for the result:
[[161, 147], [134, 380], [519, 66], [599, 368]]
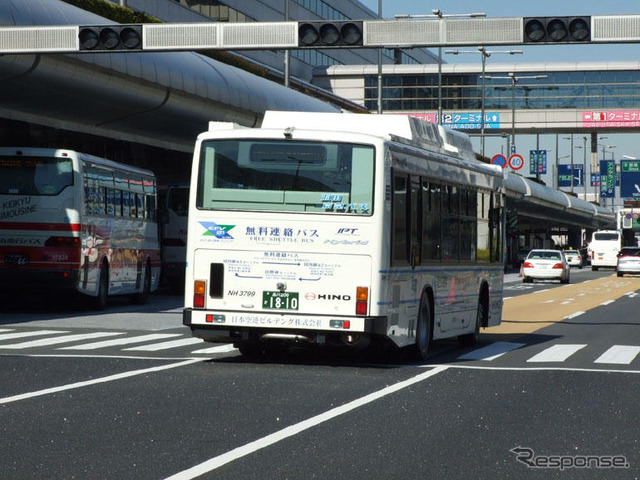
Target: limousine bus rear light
[[362, 300], [199, 292]]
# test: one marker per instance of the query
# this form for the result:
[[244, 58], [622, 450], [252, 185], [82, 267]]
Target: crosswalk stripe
[[35, 333], [218, 349], [121, 341], [556, 353], [58, 340], [6, 330], [165, 345], [619, 354], [490, 352]]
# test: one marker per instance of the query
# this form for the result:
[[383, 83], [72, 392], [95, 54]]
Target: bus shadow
[[21, 307]]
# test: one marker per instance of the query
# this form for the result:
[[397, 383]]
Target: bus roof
[[385, 126], [58, 152]]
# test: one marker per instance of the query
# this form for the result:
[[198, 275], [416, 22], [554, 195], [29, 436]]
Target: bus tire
[[420, 349], [482, 314], [250, 348], [100, 301]]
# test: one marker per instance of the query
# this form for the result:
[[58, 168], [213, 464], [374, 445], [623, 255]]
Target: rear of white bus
[[281, 240], [604, 248], [39, 220]]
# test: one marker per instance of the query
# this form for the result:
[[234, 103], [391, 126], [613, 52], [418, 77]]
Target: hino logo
[[313, 296]]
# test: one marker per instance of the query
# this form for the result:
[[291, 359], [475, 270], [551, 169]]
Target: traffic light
[[324, 34], [112, 38], [557, 29]]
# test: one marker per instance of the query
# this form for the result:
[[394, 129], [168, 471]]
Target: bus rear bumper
[[38, 280], [317, 329]]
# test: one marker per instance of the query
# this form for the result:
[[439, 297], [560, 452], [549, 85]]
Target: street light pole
[[484, 54], [437, 14], [514, 79]]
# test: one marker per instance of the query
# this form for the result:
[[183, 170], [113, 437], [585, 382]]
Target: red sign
[[516, 161], [500, 160]]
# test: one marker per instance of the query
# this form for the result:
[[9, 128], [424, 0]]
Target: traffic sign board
[[500, 160], [516, 161], [537, 162], [630, 179]]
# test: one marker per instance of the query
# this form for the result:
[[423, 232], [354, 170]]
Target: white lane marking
[[490, 352], [166, 345], [218, 349], [619, 354], [6, 329], [556, 353], [57, 340], [608, 302], [121, 341], [110, 378], [574, 315], [220, 460], [35, 333]]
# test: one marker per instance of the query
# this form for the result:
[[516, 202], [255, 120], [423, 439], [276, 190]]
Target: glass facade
[[587, 90]]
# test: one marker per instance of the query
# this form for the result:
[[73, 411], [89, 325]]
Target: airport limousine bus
[[604, 247], [341, 229], [71, 222]]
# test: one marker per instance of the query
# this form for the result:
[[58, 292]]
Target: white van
[[604, 247]]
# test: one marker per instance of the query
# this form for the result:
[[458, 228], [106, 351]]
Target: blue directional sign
[[607, 179], [565, 176], [537, 162], [470, 120], [630, 179]]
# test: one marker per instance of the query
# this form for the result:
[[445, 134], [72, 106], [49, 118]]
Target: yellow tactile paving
[[528, 313]]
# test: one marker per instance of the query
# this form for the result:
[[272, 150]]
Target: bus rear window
[[35, 175], [606, 236], [286, 176]]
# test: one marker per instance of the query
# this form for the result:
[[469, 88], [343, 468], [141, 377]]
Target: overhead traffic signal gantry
[[318, 34], [557, 29]]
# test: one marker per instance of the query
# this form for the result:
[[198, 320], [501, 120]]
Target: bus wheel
[[482, 312], [251, 348], [142, 297], [100, 301], [420, 349]]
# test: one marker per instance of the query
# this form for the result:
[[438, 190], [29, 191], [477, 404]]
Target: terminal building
[[147, 108]]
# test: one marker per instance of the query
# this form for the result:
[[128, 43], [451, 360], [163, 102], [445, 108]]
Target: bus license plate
[[280, 300], [15, 259]]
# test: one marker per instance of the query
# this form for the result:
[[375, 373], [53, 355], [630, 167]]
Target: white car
[[545, 265], [574, 259], [628, 261]]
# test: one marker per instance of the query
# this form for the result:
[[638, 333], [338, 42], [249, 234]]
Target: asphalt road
[[560, 401]]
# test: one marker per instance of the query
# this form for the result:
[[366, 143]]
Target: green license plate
[[280, 300]]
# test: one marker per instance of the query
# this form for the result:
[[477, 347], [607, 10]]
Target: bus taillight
[[199, 291], [362, 300]]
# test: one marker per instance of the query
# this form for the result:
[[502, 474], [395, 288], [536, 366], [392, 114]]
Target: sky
[[625, 144]]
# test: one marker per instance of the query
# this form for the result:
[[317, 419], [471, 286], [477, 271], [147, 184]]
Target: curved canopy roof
[[540, 203], [162, 99]]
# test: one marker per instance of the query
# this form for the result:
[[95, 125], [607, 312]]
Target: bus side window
[[399, 218]]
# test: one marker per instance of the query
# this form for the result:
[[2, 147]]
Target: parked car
[[545, 265], [574, 259], [628, 261]]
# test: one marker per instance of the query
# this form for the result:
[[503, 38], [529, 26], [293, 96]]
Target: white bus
[[340, 229], [604, 247], [71, 222]]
